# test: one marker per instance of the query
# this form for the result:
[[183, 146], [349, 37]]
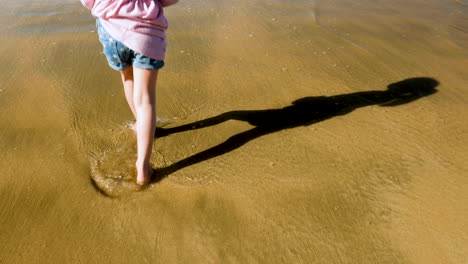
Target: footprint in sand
[[113, 170], [113, 173]]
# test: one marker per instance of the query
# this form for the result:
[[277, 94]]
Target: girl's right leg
[[144, 100]]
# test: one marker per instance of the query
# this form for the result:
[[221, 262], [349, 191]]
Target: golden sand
[[295, 132]]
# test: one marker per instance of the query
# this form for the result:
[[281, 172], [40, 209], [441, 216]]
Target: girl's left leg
[[127, 81]]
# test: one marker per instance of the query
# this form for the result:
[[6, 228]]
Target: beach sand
[[292, 132]]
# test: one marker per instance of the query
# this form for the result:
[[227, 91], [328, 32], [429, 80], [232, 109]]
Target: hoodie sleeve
[[164, 3], [88, 3]]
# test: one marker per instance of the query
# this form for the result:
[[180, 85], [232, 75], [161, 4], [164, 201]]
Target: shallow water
[[292, 131]]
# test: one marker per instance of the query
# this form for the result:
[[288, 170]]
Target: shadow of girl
[[302, 112]]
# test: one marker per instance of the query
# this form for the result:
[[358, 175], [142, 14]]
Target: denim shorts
[[120, 56]]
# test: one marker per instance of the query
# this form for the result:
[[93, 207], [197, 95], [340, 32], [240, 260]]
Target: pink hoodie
[[138, 24]]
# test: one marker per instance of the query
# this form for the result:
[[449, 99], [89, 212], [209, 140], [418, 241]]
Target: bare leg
[[144, 100], [127, 81]]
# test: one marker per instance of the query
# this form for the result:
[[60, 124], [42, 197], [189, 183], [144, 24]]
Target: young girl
[[132, 33]]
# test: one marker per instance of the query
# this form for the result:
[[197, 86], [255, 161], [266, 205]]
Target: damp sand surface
[[291, 132]]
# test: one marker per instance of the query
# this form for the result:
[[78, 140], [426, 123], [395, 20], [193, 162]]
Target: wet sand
[[291, 132]]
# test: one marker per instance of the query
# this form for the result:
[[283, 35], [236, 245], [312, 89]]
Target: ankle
[[142, 164]]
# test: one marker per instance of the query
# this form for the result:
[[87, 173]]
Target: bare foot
[[144, 174], [160, 122]]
